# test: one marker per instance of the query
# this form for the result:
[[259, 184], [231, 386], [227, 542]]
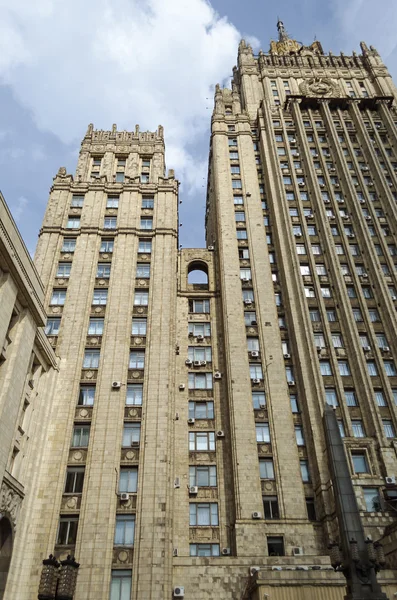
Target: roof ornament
[[282, 33]]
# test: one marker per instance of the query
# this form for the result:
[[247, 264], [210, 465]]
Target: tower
[[186, 453]]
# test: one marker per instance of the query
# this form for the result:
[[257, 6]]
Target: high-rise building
[[186, 453]]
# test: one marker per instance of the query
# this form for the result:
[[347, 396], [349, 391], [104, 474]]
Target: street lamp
[[58, 580]]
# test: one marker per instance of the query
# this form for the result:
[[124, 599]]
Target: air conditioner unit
[[191, 421], [135, 444], [256, 381], [124, 497], [254, 354], [301, 184], [217, 375], [367, 348], [315, 155], [179, 592], [256, 515], [356, 184], [203, 363], [337, 185], [298, 235], [394, 297], [200, 338], [262, 403], [193, 490], [197, 363], [333, 170], [177, 483], [254, 323], [181, 386], [346, 217], [390, 480], [292, 141], [248, 302], [188, 362], [287, 355], [319, 349], [211, 248], [385, 349], [220, 434], [245, 279], [322, 185], [116, 385], [368, 218], [326, 201], [296, 154], [175, 552], [364, 275], [226, 551], [365, 169], [371, 183], [253, 571], [351, 235], [297, 551], [290, 383], [191, 334]]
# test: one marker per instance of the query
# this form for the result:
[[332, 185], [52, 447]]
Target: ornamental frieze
[[320, 86]]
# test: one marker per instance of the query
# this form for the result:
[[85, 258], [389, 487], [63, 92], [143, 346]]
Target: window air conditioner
[[181, 386], [254, 323], [254, 354], [248, 302], [385, 349], [124, 497], [220, 434], [188, 362], [301, 184], [200, 337], [116, 385], [197, 363], [245, 279], [367, 348], [298, 235], [179, 592], [287, 356], [191, 421], [290, 383], [211, 248], [193, 490], [256, 515], [390, 480], [203, 363], [297, 551], [217, 375], [225, 551], [135, 444], [256, 381]]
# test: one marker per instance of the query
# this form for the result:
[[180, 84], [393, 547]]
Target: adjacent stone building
[[185, 454]]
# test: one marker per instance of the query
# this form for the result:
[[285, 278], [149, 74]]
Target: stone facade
[[191, 413]]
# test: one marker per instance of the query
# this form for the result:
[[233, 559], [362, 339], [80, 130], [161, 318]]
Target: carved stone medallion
[[320, 86]]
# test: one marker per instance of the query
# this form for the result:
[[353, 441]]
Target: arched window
[[6, 543], [198, 273]]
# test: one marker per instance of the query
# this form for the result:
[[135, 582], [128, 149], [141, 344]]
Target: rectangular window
[[74, 480], [203, 550], [390, 368], [131, 434], [110, 223], [112, 202], [203, 514], [86, 396], [196, 329], [199, 353], [275, 546], [128, 480], [294, 403], [360, 463], [258, 400], [256, 371], [266, 469], [137, 359], [304, 465], [100, 297], [73, 223], [201, 441], [325, 368], [139, 325], [200, 381], [380, 398], [358, 429], [372, 370], [103, 270], [372, 499], [147, 202], [120, 177], [145, 246], [388, 428], [344, 369], [91, 359], [236, 184], [143, 271], [235, 169], [69, 245], [124, 530], [201, 410], [331, 397], [134, 394], [95, 326], [262, 432], [203, 476], [241, 234], [199, 306], [107, 245], [52, 326], [311, 509], [270, 507], [120, 584], [350, 397], [238, 200], [67, 531], [64, 270], [77, 201], [373, 315], [58, 297], [331, 316], [146, 223], [81, 436], [141, 298], [314, 315]]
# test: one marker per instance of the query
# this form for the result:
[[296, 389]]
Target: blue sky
[[64, 65]]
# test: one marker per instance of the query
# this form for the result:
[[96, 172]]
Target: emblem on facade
[[10, 502], [320, 86]]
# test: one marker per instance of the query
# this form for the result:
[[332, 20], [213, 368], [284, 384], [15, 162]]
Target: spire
[[282, 34]]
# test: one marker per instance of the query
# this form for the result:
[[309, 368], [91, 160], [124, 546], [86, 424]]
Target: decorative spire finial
[[282, 34]]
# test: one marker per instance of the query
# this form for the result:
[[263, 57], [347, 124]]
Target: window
[[81, 435], [337, 340], [351, 291], [305, 270], [331, 315], [67, 531], [294, 403], [103, 270], [266, 468], [300, 440], [339, 249], [243, 253], [201, 441], [367, 292], [380, 398], [139, 326], [125, 530], [360, 462], [290, 196], [91, 359], [233, 155], [203, 550], [120, 177], [275, 545], [262, 432], [201, 410], [358, 317], [341, 429], [141, 298], [270, 507], [112, 202], [232, 141], [143, 270], [256, 371], [289, 373], [235, 169], [238, 200], [203, 514], [354, 250], [241, 234], [319, 340], [58, 297], [95, 326], [371, 368], [297, 230], [236, 184], [316, 249], [373, 315], [390, 368], [128, 480], [326, 292], [304, 465], [86, 396], [358, 429], [203, 476], [334, 229], [372, 499], [74, 480], [146, 223], [350, 397], [330, 396], [77, 201], [311, 509], [147, 202], [311, 230], [258, 400], [314, 315], [120, 584], [134, 394], [107, 245], [300, 248], [110, 223], [100, 297], [69, 245], [344, 369], [52, 326], [200, 381], [145, 246], [73, 223], [239, 217], [325, 368], [388, 428], [131, 433], [200, 353], [203, 329], [137, 359], [304, 196]]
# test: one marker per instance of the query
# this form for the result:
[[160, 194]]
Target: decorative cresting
[[58, 580], [10, 501], [285, 45], [320, 86]]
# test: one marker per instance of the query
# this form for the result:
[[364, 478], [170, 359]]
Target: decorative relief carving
[[320, 86], [55, 309], [268, 486], [98, 310], [127, 506], [89, 375], [71, 503], [208, 533], [129, 455], [202, 457], [83, 413], [10, 501], [142, 282], [122, 556], [101, 282]]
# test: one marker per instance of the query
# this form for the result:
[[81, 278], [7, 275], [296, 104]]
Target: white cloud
[[123, 61]]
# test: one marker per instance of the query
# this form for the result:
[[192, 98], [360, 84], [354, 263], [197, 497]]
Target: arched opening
[[198, 275], [6, 543]]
